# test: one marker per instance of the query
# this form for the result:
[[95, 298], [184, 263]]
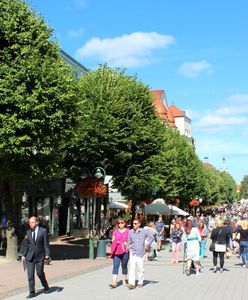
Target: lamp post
[[99, 173], [92, 183]]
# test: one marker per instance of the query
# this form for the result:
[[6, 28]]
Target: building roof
[[171, 119], [208, 165], [176, 112], [160, 107], [81, 70]]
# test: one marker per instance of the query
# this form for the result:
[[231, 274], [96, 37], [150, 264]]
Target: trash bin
[[101, 249]]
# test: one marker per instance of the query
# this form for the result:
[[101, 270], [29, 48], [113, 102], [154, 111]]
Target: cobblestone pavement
[[162, 281]]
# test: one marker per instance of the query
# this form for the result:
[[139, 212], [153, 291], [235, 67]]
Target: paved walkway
[[13, 280], [162, 281]]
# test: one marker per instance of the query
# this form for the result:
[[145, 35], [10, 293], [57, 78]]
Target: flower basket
[[194, 203], [91, 187]]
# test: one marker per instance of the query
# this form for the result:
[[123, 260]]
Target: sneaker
[[215, 270], [188, 272], [131, 286], [221, 270], [112, 285]]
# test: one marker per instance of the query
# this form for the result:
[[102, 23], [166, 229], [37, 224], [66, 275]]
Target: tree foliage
[[244, 187], [219, 187], [120, 129], [38, 107]]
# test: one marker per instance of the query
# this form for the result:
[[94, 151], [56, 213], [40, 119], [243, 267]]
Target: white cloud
[[214, 119], [128, 50], [234, 113], [75, 33], [219, 146], [229, 131], [194, 69], [237, 105], [238, 99]]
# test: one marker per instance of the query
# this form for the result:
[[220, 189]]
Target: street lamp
[[99, 173], [89, 186]]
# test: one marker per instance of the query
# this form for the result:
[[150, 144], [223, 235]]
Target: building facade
[[172, 115]]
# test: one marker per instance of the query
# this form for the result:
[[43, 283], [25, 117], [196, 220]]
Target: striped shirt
[[136, 241]]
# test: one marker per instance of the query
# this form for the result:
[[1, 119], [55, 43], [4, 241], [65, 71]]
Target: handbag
[[212, 246]]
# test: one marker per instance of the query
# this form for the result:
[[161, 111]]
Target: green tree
[[38, 103], [120, 130], [190, 170], [179, 167], [219, 187], [212, 184], [228, 190], [244, 187]]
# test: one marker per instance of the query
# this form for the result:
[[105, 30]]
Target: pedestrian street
[[162, 281]]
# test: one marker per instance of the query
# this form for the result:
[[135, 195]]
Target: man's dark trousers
[[39, 265]]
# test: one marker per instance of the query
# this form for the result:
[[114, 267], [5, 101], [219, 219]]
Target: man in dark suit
[[35, 250]]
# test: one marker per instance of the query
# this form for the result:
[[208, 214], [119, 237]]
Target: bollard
[[101, 249], [91, 249]]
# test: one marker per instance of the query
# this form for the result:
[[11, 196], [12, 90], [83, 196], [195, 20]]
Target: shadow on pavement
[[148, 282], [53, 289]]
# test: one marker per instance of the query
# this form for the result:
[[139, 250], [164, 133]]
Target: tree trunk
[[11, 252], [133, 209]]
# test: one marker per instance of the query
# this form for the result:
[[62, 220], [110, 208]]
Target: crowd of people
[[226, 228]]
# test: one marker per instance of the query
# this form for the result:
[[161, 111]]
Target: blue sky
[[197, 51]]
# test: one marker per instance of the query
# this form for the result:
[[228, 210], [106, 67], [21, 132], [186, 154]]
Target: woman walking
[[160, 229], [119, 252], [203, 231], [242, 229], [152, 250], [176, 238], [192, 239], [220, 238]]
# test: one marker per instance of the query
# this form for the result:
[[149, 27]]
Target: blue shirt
[[136, 241], [159, 225]]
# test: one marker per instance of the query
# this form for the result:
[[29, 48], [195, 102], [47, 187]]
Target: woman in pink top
[[119, 252]]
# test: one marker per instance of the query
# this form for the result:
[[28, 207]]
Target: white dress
[[192, 241]]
